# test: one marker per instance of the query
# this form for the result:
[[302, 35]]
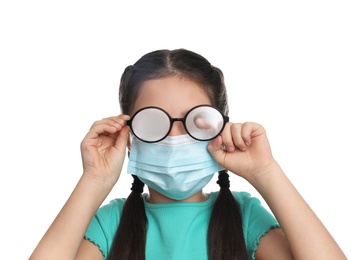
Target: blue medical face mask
[[177, 166]]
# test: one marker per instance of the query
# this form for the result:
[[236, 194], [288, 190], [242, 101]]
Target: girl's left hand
[[242, 148]]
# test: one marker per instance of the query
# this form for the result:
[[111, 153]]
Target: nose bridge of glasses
[[177, 129], [177, 119]]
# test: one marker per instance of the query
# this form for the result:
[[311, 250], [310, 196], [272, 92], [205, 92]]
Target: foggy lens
[[204, 122], [150, 124]]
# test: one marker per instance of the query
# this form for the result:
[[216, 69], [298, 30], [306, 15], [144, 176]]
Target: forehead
[[174, 94]]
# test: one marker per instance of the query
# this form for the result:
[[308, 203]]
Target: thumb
[[215, 149], [121, 141]]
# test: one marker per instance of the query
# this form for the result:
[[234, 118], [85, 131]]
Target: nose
[[177, 128]]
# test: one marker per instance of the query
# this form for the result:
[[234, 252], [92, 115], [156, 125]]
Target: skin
[[247, 153]]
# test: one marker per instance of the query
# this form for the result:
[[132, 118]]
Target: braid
[[223, 180], [137, 185], [130, 239], [225, 230]]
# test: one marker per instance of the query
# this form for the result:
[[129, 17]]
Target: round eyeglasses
[[153, 124]]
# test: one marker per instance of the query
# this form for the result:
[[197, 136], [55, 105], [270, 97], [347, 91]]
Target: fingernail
[[231, 149]]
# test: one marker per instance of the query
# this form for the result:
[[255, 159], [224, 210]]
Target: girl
[[174, 107]]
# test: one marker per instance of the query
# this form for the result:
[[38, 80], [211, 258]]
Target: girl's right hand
[[104, 147]]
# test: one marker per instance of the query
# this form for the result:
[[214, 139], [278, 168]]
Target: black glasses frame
[[180, 119]]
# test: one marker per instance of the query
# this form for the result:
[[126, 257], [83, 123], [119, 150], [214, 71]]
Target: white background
[[287, 65]]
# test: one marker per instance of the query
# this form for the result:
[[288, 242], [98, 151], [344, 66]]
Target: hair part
[[166, 63]]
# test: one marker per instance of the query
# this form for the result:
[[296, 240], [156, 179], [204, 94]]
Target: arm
[[307, 236], [103, 152], [248, 154]]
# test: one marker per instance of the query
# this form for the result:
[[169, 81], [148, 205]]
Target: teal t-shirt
[[178, 230]]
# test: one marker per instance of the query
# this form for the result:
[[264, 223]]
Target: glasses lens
[[204, 122], [150, 124]]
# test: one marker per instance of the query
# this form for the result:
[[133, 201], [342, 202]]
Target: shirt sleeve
[[257, 220], [103, 226]]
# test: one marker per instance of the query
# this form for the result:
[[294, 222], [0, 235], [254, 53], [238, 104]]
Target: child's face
[[173, 94]]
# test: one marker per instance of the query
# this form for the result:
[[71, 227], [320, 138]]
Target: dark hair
[[225, 232]]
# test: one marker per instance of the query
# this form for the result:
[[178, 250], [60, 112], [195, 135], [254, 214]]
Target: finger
[[227, 138], [215, 148], [202, 120], [122, 141], [114, 120], [237, 137], [108, 124], [203, 124], [246, 132], [121, 119], [117, 122]]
